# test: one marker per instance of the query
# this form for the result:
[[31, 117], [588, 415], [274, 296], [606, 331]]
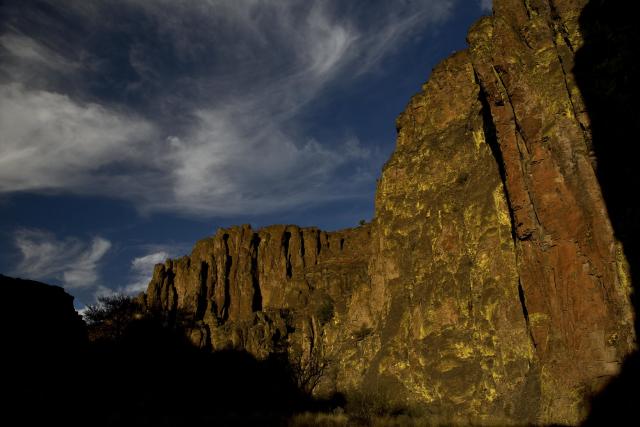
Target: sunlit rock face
[[489, 285], [453, 332], [280, 288], [572, 271]]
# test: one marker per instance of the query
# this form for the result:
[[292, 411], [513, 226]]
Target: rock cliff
[[489, 286]]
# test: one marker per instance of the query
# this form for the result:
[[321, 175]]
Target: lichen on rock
[[489, 286]]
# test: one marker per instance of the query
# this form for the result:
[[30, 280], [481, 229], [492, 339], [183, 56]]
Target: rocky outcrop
[[38, 320], [44, 343], [252, 289], [489, 285]]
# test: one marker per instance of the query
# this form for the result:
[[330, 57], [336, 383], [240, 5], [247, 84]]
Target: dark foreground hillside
[[129, 367]]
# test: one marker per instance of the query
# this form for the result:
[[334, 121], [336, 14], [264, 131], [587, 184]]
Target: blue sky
[[130, 129]]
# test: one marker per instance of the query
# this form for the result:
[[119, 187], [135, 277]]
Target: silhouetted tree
[[308, 368]]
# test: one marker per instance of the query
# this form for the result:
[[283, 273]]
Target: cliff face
[[489, 285], [265, 290], [572, 271], [454, 331]]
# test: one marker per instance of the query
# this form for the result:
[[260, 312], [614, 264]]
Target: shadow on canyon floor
[[607, 71], [148, 373]]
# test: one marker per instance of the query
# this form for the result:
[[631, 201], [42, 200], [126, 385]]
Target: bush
[[319, 419], [325, 311], [111, 316], [369, 404], [362, 333], [308, 369]]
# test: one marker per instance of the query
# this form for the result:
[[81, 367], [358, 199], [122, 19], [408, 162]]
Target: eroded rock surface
[[489, 285], [454, 332], [278, 288]]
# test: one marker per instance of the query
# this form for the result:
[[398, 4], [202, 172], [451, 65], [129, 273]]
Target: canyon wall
[[489, 286]]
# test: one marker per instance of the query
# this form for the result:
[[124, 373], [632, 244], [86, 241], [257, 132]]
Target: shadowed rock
[[142, 371], [606, 70], [43, 343]]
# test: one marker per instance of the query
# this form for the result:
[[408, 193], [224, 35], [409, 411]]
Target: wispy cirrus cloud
[[195, 108], [27, 51], [71, 261]]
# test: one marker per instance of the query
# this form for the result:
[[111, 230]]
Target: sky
[[130, 129]]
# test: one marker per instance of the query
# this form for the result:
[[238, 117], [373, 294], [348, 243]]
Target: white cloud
[[82, 271], [26, 49], [72, 261], [241, 146], [50, 142], [82, 311], [142, 270], [223, 168], [486, 5]]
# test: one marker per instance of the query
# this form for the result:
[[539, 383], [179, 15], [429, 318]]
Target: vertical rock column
[[572, 272]]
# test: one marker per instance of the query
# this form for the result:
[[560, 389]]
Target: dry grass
[[319, 419]]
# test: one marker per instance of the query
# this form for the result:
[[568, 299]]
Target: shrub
[[325, 311], [371, 403], [111, 316], [319, 419], [308, 369], [362, 333]]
